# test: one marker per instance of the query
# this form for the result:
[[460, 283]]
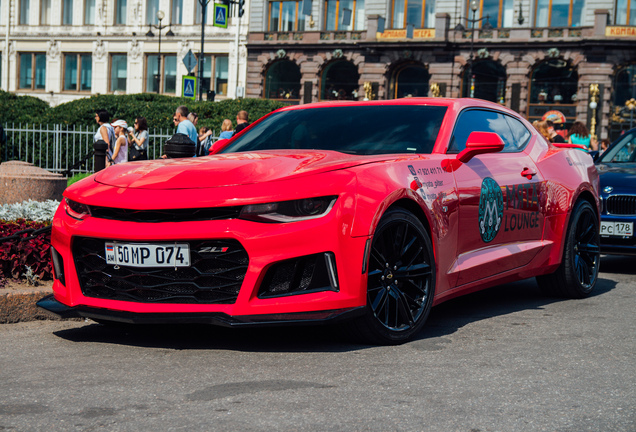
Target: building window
[[286, 16], [500, 13], [152, 7], [344, 15], [78, 72], [177, 11], [411, 80], [118, 72], [558, 13], [32, 71], [282, 81], [120, 12], [89, 12], [420, 13], [67, 12], [625, 12], [339, 81], [45, 12], [197, 12], [485, 79], [24, 12], [218, 64], [167, 79], [554, 81]]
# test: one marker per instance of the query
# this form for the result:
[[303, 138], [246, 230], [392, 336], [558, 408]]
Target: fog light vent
[[302, 275], [58, 265]]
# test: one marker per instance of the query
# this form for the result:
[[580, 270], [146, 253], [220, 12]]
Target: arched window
[[282, 81], [420, 13], [558, 13], [625, 12], [410, 80], [500, 13], [340, 81], [622, 118], [485, 79], [553, 86], [554, 82]]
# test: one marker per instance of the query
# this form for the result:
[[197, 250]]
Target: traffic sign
[[190, 61], [189, 87], [220, 15]]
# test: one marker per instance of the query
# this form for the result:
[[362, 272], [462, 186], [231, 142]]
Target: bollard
[[179, 146], [99, 161]]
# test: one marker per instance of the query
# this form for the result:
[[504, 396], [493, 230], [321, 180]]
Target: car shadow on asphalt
[[444, 320]]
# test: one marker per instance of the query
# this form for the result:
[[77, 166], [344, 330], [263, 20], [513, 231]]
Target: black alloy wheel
[[401, 279], [577, 275]]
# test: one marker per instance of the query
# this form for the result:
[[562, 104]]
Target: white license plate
[[617, 229], [148, 255]]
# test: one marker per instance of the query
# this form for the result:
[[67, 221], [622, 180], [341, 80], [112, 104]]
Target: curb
[[20, 306]]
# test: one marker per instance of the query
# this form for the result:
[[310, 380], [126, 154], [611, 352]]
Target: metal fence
[[57, 148]]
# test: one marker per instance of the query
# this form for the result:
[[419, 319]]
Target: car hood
[[227, 169], [621, 176]]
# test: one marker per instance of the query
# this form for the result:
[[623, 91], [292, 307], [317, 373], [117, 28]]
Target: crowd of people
[[131, 143], [577, 134]]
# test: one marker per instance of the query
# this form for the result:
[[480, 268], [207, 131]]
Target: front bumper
[[54, 307]]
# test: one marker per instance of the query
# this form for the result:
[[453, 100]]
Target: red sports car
[[367, 211]]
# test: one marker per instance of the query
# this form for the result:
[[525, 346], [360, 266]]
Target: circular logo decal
[[490, 209]]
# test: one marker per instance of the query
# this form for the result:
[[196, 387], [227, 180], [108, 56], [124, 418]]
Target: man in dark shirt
[[241, 121], [554, 136]]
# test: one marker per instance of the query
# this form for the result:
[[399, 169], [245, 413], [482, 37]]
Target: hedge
[[157, 109]]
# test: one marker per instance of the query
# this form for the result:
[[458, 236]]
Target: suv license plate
[[617, 229], [148, 255]]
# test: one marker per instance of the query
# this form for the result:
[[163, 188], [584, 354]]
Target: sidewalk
[[17, 301]]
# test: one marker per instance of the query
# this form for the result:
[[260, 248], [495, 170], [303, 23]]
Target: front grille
[[170, 215], [212, 278], [621, 205]]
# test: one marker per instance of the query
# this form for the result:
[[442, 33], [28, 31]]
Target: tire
[[577, 275], [400, 280]]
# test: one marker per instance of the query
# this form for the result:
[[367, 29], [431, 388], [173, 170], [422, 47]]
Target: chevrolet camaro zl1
[[367, 211]]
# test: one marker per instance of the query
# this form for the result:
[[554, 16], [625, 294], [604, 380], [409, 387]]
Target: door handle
[[528, 173]]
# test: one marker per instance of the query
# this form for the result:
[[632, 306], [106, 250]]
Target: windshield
[[362, 130], [623, 151]]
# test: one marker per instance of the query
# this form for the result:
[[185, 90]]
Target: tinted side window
[[481, 121], [520, 133]]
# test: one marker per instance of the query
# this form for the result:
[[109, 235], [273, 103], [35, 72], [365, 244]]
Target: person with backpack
[[105, 131]]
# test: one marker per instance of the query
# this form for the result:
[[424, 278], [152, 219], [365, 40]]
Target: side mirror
[[480, 143]]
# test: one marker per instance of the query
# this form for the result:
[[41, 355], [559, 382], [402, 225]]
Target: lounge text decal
[[490, 209]]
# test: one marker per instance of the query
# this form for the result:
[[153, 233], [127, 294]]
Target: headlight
[[289, 211], [77, 210]]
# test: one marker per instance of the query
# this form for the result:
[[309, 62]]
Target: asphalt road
[[505, 359]]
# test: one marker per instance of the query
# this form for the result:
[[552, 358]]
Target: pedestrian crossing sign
[[189, 87], [220, 15]]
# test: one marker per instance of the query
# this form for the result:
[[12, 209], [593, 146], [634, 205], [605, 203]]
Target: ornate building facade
[[60, 50], [534, 56]]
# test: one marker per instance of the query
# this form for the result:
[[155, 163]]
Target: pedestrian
[[242, 121], [120, 150], [205, 137], [542, 127], [578, 134], [105, 131], [139, 140], [554, 136], [185, 126], [194, 118], [226, 129], [604, 145]]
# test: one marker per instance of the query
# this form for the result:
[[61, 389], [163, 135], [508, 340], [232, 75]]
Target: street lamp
[[474, 5], [159, 27], [594, 93]]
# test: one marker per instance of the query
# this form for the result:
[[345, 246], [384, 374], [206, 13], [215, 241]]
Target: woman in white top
[[120, 150], [105, 131]]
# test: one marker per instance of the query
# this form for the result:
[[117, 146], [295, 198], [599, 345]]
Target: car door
[[500, 216]]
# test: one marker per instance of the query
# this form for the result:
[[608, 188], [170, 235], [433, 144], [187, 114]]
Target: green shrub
[[22, 109], [76, 178]]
